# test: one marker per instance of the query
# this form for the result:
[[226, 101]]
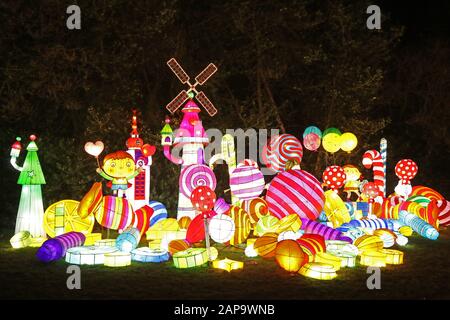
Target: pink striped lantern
[[246, 182], [295, 191]]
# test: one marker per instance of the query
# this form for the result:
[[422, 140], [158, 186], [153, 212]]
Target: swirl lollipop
[[280, 150], [194, 176]]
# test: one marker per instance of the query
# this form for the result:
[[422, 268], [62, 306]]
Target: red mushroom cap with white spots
[[406, 170], [334, 177]]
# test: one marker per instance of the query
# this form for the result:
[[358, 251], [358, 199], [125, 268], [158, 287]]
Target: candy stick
[[383, 151], [372, 159]]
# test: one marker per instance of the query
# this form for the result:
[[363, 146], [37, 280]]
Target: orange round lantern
[[184, 222], [290, 256], [178, 245]]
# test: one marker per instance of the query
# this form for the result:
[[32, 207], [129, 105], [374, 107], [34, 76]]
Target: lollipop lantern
[[334, 177], [94, 149], [406, 170], [203, 198], [371, 190]]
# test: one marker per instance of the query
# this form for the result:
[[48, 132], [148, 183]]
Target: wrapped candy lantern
[[55, 248], [128, 240], [92, 255], [192, 257], [149, 255], [21, 239], [227, 264], [266, 245], [318, 270]]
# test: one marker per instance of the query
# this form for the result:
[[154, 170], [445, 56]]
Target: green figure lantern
[[30, 216]]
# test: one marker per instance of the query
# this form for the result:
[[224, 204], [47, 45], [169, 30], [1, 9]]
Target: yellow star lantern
[[228, 264]]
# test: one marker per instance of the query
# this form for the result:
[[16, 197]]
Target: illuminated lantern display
[[334, 177], [318, 270], [373, 159], [372, 224], [221, 228], [444, 213], [91, 255], [313, 227], [387, 236], [393, 256], [138, 194], [289, 235], [191, 177], [246, 182], [105, 243], [405, 170], [371, 190], [203, 198], [348, 142], [352, 182], [291, 222], [192, 257], [31, 210], [21, 239], [141, 219], [335, 209], [178, 245], [265, 246], [128, 239], [149, 255], [92, 238], [227, 156], [213, 253], [184, 223], [295, 191], [55, 248], [248, 162], [228, 264], [162, 228], [94, 149], [331, 140], [159, 212], [156, 244], [266, 224], [341, 246], [327, 258], [368, 243], [62, 217], [418, 225], [289, 255], [114, 213], [427, 192], [256, 208], [36, 242], [372, 258], [312, 141], [281, 149], [117, 259], [221, 206], [401, 240], [241, 223], [196, 230], [90, 201]]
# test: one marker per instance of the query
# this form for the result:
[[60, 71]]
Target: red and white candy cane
[[372, 159]]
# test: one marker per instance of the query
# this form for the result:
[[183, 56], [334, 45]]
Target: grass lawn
[[425, 275]]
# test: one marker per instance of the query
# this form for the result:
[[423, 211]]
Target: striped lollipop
[[159, 212], [295, 191], [194, 176], [256, 208], [426, 192], [444, 213], [281, 149], [246, 182]]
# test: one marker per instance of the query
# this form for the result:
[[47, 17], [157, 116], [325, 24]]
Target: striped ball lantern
[[312, 243], [289, 255], [128, 240], [246, 182], [242, 225], [221, 228], [203, 198], [55, 248], [295, 191], [318, 270], [114, 213], [159, 212], [256, 208], [266, 245], [280, 150], [266, 224], [141, 219], [178, 245]]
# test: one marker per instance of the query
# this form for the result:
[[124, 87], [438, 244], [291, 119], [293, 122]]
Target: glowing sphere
[[289, 255], [348, 142], [221, 228]]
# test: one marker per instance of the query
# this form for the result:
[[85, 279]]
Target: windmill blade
[[177, 101], [204, 101], [206, 73], [178, 70]]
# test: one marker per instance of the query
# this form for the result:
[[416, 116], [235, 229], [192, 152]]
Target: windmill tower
[[139, 192], [191, 136]]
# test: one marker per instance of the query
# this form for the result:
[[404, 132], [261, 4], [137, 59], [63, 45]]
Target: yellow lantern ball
[[348, 142], [332, 142]]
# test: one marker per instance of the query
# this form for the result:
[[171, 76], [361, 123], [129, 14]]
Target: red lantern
[[334, 177], [371, 190], [148, 150], [406, 170], [203, 198]]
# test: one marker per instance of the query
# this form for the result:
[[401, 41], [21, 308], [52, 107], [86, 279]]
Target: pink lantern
[[312, 141]]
